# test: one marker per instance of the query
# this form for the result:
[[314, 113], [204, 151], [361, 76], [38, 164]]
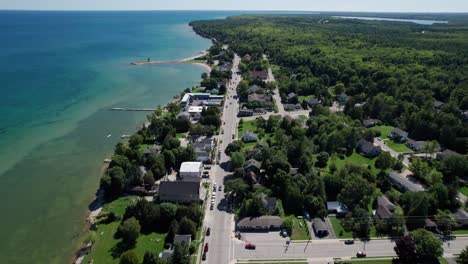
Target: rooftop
[[190, 166]]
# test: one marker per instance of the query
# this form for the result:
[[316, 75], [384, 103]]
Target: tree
[[428, 246], [135, 140], [236, 188], [416, 207], [181, 254], [113, 183], [235, 146], [384, 161], [152, 258], [445, 221], [358, 222], [322, 159], [149, 179], [463, 257], [356, 191], [129, 230], [168, 213], [173, 229], [129, 257], [237, 160], [187, 227], [406, 250], [159, 167]]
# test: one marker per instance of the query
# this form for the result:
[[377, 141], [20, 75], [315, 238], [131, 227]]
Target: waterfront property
[[179, 192]]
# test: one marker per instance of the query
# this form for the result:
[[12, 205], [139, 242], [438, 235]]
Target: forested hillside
[[393, 71]]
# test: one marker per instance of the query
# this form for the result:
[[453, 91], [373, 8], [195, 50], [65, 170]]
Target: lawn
[[398, 147], [181, 135], [384, 130], [300, 232], [305, 97], [247, 125], [464, 190], [355, 158], [460, 232], [143, 147], [338, 228], [105, 242]]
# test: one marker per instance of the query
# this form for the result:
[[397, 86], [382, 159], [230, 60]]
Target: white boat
[[107, 160], [125, 136], [109, 135]]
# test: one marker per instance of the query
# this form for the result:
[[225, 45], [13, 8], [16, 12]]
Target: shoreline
[[150, 62]]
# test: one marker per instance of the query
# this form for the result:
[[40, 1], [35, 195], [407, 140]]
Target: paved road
[[219, 220], [330, 248]]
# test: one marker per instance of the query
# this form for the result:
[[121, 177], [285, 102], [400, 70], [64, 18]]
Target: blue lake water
[[417, 21], [59, 73]]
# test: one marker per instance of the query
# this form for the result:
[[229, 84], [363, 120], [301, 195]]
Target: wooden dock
[[133, 109], [149, 61]]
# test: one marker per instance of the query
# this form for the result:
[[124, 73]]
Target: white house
[[191, 171]]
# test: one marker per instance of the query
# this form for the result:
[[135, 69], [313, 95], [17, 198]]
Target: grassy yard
[[355, 158], [247, 125], [464, 190], [397, 146], [304, 97], [143, 147], [104, 248], [460, 232], [338, 228], [300, 232], [384, 130], [181, 135]]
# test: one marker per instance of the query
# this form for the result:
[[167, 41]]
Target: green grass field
[[384, 130], [105, 243], [397, 146], [460, 232], [181, 135], [300, 232], [247, 125], [355, 159], [464, 190], [338, 228], [304, 97]]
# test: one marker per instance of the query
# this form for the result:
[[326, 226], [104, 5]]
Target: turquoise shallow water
[[59, 73]]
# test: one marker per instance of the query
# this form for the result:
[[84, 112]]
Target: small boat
[[125, 136], [109, 135], [107, 160]]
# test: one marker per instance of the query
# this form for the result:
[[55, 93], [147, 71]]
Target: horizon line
[[231, 10]]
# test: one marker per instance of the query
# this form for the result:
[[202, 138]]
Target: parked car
[[249, 246], [220, 188], [361, 254], [349, 242], [203, 257], [208, 231], [238, 234], [233, 136], [284, 233], [212, 206], [206, 247]]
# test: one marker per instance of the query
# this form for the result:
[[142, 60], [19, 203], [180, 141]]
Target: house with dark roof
[[461, 218], [398, 135], [225, 67], [416, 145], [260, 98], [184, 116], [266, 222], [338, 208], [403, 183], [343, 98], [291, 95], [292, 107], [269, 203], [252, 165], [179, 192], [385, 208], [430, 225], [445, 154], [370, 122], [179, 239], [320, 227], [245, 112], [313, 102], [146, 152], [263, 74], [367, 149], [438, 104], [247, 57], [249, 136]]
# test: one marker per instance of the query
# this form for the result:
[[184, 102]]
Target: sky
[[280, 5]]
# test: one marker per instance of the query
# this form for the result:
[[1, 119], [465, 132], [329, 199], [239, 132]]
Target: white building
[[191, 171], [195, 109]]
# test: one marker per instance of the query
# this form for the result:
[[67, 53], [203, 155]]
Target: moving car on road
[[349, 242], [220, 188], [208, 231], [249, 246], [284, 233], [203, 256], [206, 247]]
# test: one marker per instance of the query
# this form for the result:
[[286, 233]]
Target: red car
[[206, 247], [249, 246]]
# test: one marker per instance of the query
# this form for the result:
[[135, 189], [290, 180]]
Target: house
[[438, 104], [260, 98], [445, 154], [290, 96], [266, 222], [293, 171], [416, 145], [263, 74], [190, 171], [245, 112], [184, 116], [430, 225], [461, 218], [313, 102], [213, 91], [225, 67], [402, 183], [292, 107], [179, 239], [465, 116], [254, 88], [385, 208], [249, 136], [269, 203], [195, 109], [203, 149], [320, 227], [166, 254], [196, 117], [398, 135], [370, 122], [338, 208], [155, 148], [179, 192], [367, 149], [343, 98], [146, 152], [252, 165]]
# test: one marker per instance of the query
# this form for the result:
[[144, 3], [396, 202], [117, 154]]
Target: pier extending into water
[[133, 109], [149, 61]]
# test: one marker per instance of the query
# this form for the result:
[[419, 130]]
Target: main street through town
[[220, 220]]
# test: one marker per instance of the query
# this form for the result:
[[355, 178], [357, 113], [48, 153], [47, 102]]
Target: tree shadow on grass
[[120, 248]]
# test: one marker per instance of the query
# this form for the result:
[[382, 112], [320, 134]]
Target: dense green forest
[[393, 71]]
